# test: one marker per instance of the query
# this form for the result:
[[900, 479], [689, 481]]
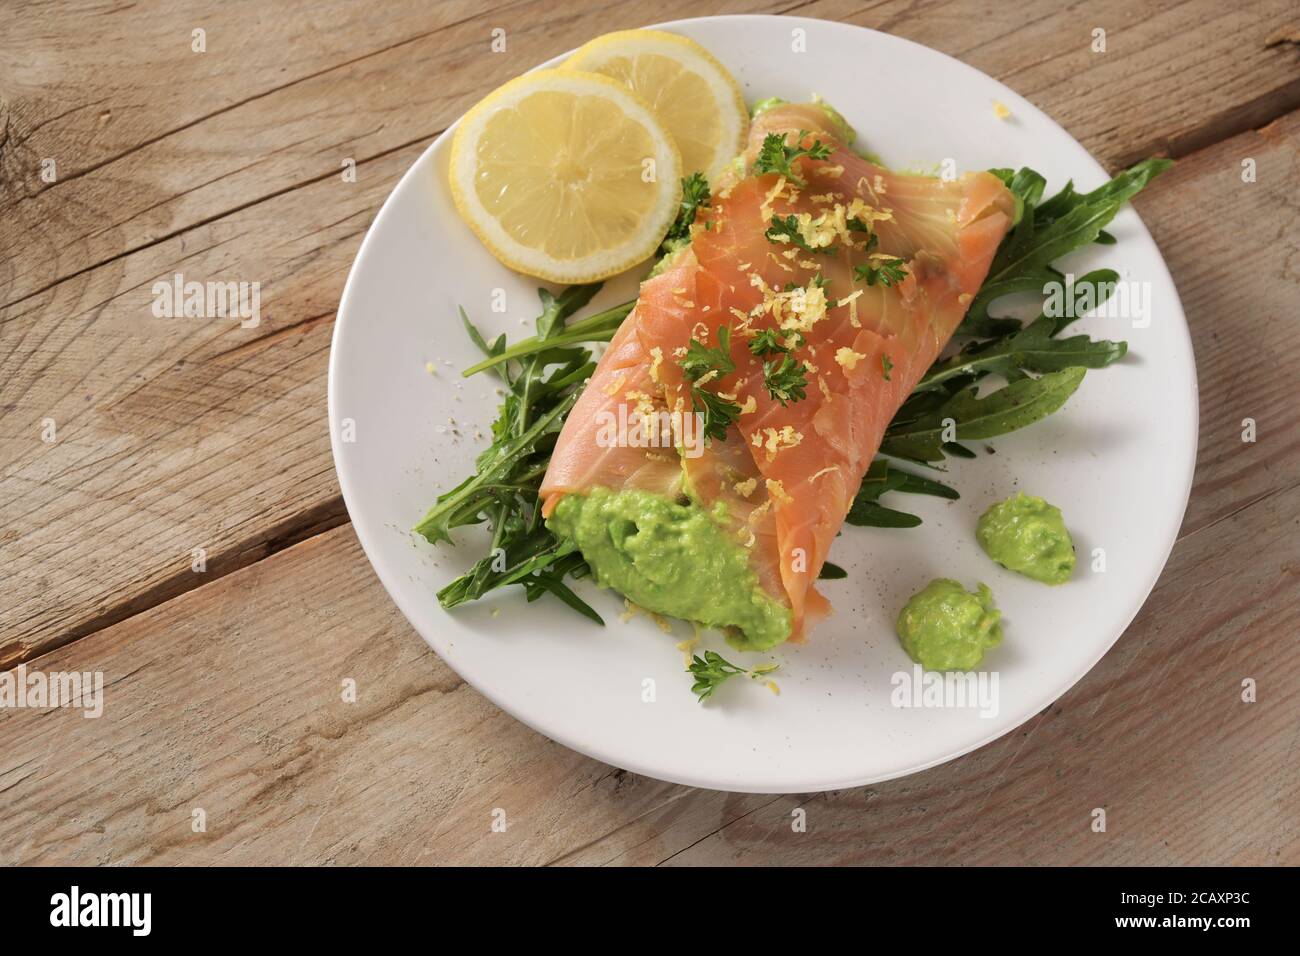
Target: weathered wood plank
[[229, 699], [268, 121], [172, 434], [254, 122], [1242, 312], [1173, 78], [176, 436], [238, 710]]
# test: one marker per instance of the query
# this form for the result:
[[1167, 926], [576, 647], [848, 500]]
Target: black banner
[[335, 905]]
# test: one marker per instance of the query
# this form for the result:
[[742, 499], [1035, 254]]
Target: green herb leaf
[[883, 477], [701, 359], [1046, 231], [719, 414], [555, 309], [695, 196], [997, 413], [774, 156], [888, 272], [869, 514], [785, 380], [595, 328], [543, 379], [712, 670], [767, 342], [786, 229], [1033, 347]]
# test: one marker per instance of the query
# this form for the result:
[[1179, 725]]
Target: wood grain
[[1174, 77], [229, 698], [176, 435]]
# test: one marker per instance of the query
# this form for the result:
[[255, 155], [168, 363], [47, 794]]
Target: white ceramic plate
[[1118, 459]]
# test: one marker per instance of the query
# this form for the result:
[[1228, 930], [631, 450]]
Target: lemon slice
[[566, 176], [694, 95]]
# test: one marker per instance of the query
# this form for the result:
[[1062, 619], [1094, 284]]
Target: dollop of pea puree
[[944, 627], [1027, 535], [681, 560]]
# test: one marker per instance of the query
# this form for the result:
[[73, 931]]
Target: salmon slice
[[864, 292]]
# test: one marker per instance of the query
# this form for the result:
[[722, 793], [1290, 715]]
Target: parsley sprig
[[786, 229], [695, 196], [887, 272], [719, 413], [774, 156], [785, 379], [712, 670], [700, 359], [768, 342]]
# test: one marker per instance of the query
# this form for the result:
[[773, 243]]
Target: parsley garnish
[[767, 342], [776, 157], [698, 362], [699, 359], [786, 229], [719, 414], [785, 380], [712, 670], [695, 196], [890, 272], [885, 365]]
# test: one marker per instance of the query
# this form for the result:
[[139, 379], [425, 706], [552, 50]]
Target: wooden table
[[223, 685]]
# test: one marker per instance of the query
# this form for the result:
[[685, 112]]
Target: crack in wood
[[295, 530]]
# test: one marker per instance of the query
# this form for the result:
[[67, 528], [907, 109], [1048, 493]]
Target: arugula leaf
[[1123, 187], [870, 514], [498, 470], [1033, 347], [711, 671], [920, 485], [555, 309], [600, 327], [1045, 231], [774, 156], [882, 477], [1005, 410], [542, 383]]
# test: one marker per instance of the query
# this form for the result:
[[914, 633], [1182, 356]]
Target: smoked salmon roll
[[717, 449]]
